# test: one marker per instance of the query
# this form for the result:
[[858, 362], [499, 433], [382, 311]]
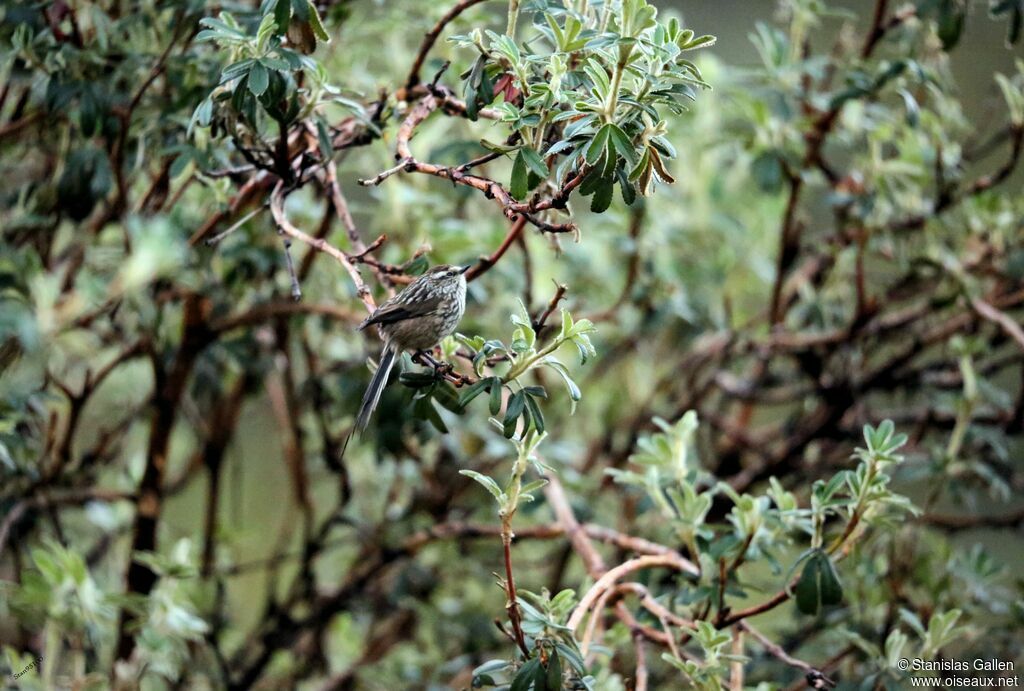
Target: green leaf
[[566, 323], [518, 184], [513, 410], [265, 31], [236, 69], [445, 394], [495, 404], [472, 391], [282, 14], [554, 673], [700, 42], [301, 8], [625, 187], [574, 391], [417, 380], [525, 676], [951, 23], [534, 162], [536, 391], [533, 486], [536, 414], [572, 655], [324, 139], [489, 484], [609, 162], [767, 172], [598, 145], [599, 77], [641, 167], [621, 142], [491, 666], [314, 22], [424, 409], [259, 79], [819, 584], [602, 196]]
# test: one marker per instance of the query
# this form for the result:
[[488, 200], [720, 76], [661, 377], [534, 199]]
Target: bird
[[416, 319]]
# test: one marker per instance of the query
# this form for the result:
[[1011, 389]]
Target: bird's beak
[[466, 268]]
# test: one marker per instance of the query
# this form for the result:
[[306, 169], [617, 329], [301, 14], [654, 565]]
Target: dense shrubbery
[[751, 282]]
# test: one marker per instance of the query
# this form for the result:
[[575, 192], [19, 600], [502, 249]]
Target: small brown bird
[[418, 318]]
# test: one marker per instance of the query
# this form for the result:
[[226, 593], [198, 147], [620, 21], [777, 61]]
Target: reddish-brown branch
[[223, 420], [1008, 324], [170, 386], [320, 244], [512, 209], [73, 497], [776, 650], [430, 38], [512, 602], [268, 310], [877, 30], [559, 295], [485, 263], [982, 184]]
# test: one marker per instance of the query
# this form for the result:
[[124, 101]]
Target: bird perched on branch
[[416, 319]]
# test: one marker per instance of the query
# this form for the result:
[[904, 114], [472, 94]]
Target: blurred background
[[678, 285]]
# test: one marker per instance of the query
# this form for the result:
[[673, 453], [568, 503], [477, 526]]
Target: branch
[[610, 577], [960, 522], [559, 295], [777, 651], [18, 511], [320, 244], [641, 662], [1007, 323], [485, 263], [982, 184], [430, 38], [169, 389], [512, 209]]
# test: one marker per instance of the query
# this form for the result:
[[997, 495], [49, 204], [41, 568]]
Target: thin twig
[[560, 291], [512, 603], [403, 164], [277, 209], [235, 226], [485, 263], [430, 38], [779, 652], [434, 99], [296, 290], [641, 662], [1005, 322], [612, 575]]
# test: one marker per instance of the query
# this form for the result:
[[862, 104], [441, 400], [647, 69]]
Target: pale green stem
[[690, 540], [513, 17], [538, 140], [965, 411], [525, 364], [613, 91], [819, 530], [606, 14], [963, 418], [506, 513], [514, 489], [52, 646], [858, 509]]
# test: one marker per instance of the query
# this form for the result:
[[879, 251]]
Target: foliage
[[204, 198]]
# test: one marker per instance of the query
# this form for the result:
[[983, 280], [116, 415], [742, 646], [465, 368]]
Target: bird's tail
[[377, 384]]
